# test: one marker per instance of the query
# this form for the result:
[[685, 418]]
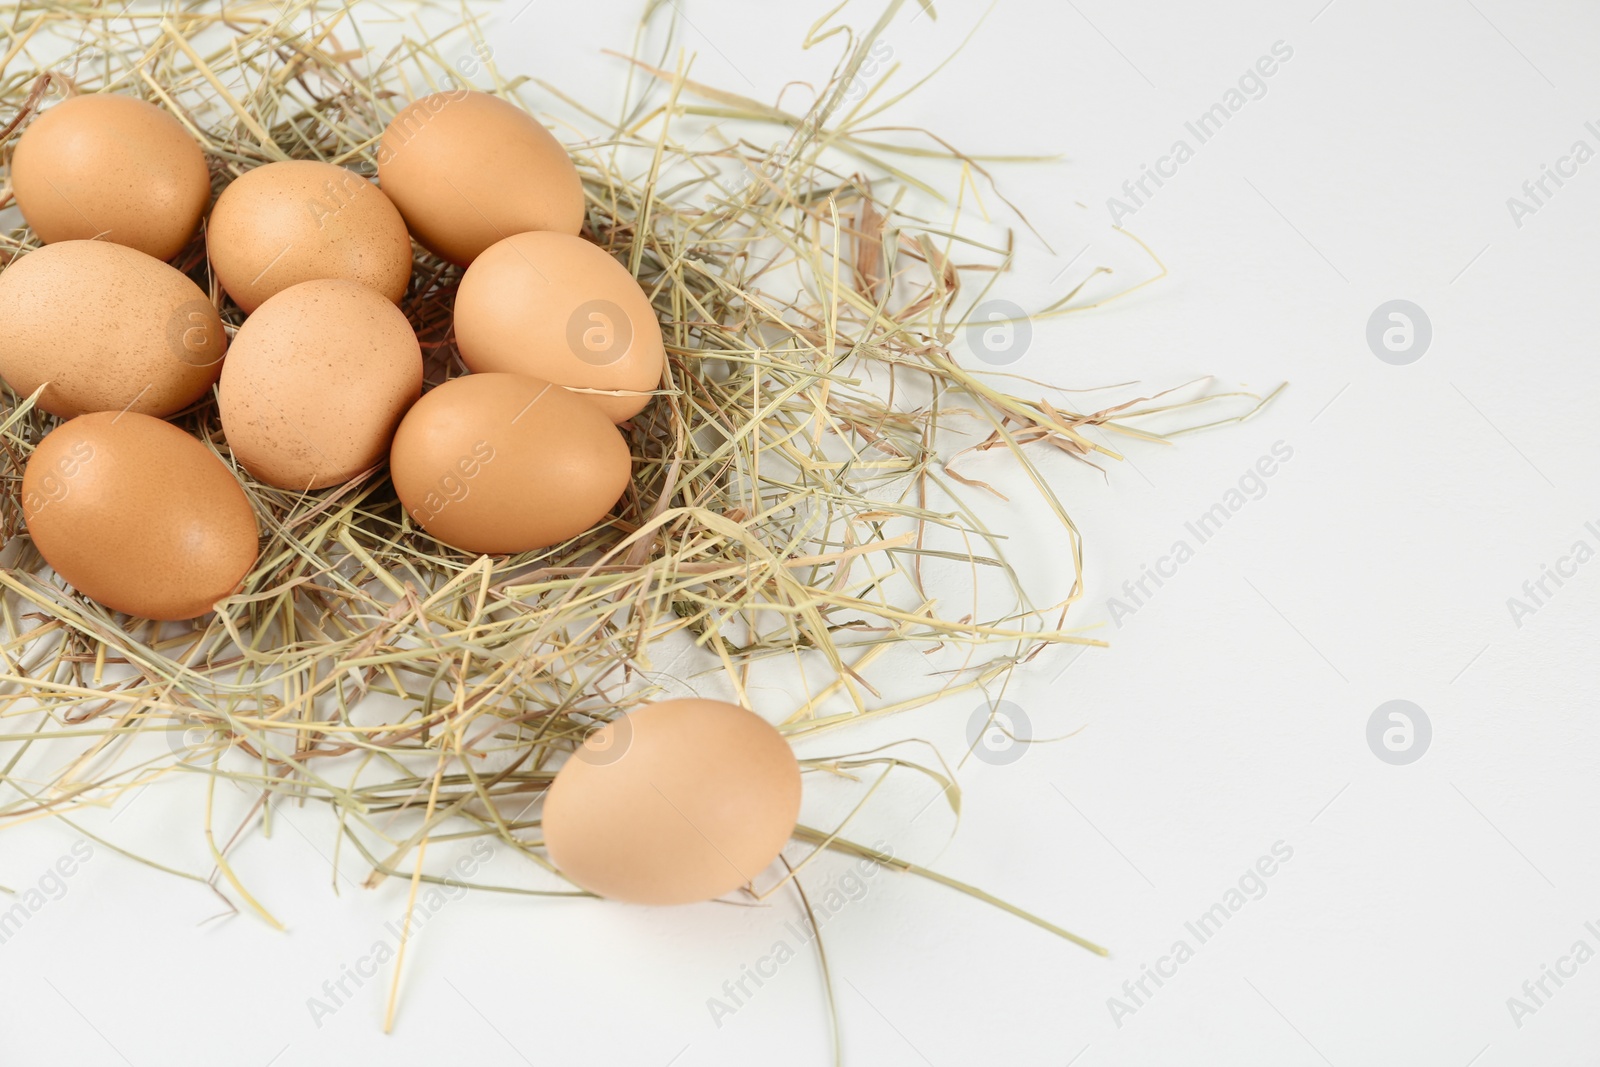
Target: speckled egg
[[677, 802], [133, 512], [290, 222], [109, 328], [114, 168], [561, 308], [316, 382], [467, 169], [500, 463]]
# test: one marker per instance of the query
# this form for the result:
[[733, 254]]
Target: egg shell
[[467, 169], [561, 308], [109, 328], [677, 802], [133, 512], [316, 382], [114, 168], [294, 221], [500, 463]]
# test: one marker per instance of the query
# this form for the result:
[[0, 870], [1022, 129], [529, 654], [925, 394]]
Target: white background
[[1229, 713]]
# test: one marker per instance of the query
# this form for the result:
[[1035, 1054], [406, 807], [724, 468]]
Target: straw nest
[[791, 480]]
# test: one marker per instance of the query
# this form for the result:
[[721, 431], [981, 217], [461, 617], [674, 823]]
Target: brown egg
[[114, 168], [138, 515], [467, 169], [285, 223], [109, 328], [316, 382], [499, 463], [678, 802], [562, 309]]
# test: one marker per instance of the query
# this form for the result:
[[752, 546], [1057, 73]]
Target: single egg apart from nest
[[133, 512], [501, 463], [466, 169], [109, 328], [113, 168], [295, 221], [315, 383], [562, 309], [677, 802]]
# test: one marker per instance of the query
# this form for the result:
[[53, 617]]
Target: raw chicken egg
[[467, 169], [562, 309], [114, 168], [285, 223], [316, 382], [678, 802], [133, 512], [110, 328], [499, 463]]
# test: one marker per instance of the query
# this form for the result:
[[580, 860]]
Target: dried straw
[[789, 488]]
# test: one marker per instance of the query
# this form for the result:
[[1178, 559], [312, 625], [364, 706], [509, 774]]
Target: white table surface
[[1229, 715]]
